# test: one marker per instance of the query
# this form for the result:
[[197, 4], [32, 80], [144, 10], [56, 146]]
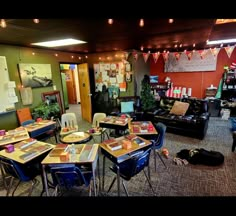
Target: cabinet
[[229, 86], [159, 88]]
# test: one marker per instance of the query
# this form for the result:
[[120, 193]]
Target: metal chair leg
[[8, 187], [161, 159], [155, 159], [112, 183], [16, 187], [149, 183], [125, 188]]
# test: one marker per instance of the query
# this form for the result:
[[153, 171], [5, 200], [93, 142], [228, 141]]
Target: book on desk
[[25, 143], [138, 141]]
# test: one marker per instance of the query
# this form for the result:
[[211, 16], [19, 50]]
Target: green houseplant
[[147, 98], [45, 111]]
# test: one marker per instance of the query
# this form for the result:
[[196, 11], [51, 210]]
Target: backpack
[[202, 156]]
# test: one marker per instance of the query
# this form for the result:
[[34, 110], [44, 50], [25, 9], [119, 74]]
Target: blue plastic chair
[[131, 168], [12, 170], [158, 141], [68, 176]]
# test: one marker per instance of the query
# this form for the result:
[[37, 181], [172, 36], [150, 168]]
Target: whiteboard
[[6, 102]]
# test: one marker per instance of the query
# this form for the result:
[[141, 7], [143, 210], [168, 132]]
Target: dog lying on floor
[[202, 156]]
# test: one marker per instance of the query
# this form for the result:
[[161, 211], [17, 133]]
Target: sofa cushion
[[179, 108], [127, 107]]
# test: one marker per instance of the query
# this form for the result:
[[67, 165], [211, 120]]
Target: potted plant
[[148, 101], [46, 111]]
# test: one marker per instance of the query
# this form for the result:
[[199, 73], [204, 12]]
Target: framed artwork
[[35, 75]]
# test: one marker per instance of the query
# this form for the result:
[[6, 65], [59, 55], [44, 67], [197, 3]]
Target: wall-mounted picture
[[35, 75]]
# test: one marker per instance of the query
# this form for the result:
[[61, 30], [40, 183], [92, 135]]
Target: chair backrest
[[23, 114], [68, 120], [161, 129], [97, 117], [68, 176], [135, 165], [27, 122], [12, 168]]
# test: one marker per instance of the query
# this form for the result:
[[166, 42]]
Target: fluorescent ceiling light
[[56, 43], [221, 41]]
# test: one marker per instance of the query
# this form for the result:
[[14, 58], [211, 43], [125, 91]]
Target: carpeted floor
[[176, 180]]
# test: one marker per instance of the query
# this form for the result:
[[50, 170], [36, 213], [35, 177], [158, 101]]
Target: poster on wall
[[35, 75], [186, 64], [108, 74]]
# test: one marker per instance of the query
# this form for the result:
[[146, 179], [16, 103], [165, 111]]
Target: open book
[[25, 143], [60, 148]]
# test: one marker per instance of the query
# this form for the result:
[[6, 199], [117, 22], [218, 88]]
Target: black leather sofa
[[194, 123]]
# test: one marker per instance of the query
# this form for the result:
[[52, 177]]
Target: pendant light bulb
[[141, 23]]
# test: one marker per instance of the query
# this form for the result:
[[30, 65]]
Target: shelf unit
[[229, 86], [159, 88]]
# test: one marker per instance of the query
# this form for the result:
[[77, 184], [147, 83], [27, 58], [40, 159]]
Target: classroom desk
[[37, 128], [115, 122], [13, 136], [91, 162], [142, 128], [120, 155], [33, 151]]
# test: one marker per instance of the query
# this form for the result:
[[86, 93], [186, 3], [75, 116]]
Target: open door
[[85, 93]]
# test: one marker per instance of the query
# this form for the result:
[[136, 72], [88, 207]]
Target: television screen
[[153, 79]]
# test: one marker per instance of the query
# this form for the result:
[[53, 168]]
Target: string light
[[56, 54], [3, 23], [141, 23], [171, 20], [110, 21], [36, 20]]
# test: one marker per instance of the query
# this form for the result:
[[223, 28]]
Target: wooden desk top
[[75, 137], [70, 130], [33, 151], [115, 120], [83, 155], [142, 128], [121, 152], [38, 125], [13, 136]]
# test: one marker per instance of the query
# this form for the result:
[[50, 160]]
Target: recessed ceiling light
[[56, 43]]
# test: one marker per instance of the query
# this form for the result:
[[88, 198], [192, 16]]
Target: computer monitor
[[153, 79]]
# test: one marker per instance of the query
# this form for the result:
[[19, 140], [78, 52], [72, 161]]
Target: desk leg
[[99, 180], [118, 180], [103, 172], [45, 180], [94, 182]]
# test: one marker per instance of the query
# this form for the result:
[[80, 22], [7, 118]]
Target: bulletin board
[[110, 74], [7, 94]]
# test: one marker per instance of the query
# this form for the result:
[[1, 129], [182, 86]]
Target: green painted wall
[[15, 55]]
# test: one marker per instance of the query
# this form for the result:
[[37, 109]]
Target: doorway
[[74, 78]]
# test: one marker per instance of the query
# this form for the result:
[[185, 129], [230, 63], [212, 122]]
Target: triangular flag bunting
[[135, 55], [145, 56], [229, 50], [177, 55], [155, 56], [126, 55], [165, 56], [189, 54], [215, 52], [202, 53]]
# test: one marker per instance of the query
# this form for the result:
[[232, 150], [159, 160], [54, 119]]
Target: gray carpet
[[176, 180]]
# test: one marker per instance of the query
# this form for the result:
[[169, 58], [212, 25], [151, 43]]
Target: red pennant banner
[[229, 50], [155, 56], [177, 55], [126, 55], [215, 52], [145, 56], [135, 55], [202, 53], [189, 54], [165, 56]]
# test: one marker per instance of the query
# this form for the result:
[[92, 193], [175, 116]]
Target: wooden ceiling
[[123, 34]]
